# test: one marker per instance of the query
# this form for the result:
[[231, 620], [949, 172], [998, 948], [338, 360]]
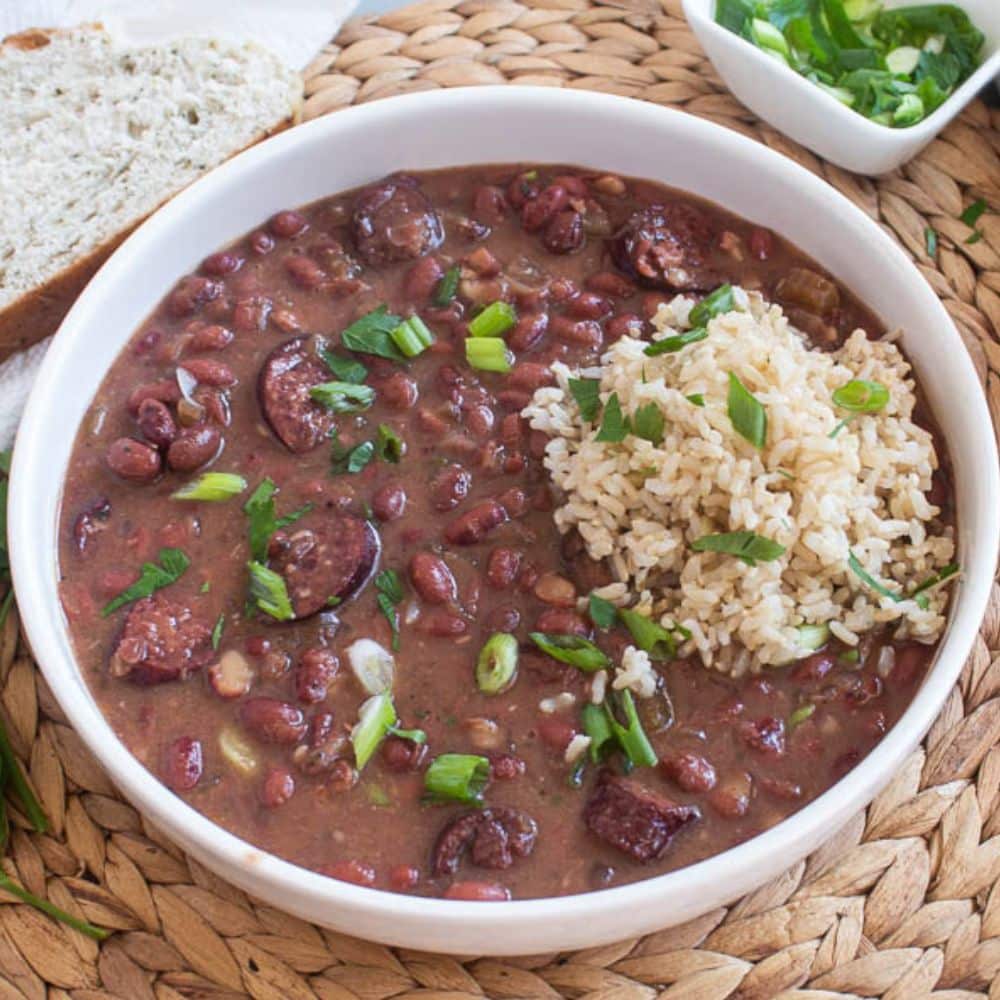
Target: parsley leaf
[[389, 592], [264, 522], [602, 613], [671, 345], [346, 369], [351, 460], [172, 565], [389, 446], [371, 334], [220, 624], [747, 546], [648, 423], [614, 425], [586, 392]]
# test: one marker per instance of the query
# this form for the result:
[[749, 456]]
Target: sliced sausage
[[332, 558], [393, 220], [494, 838], [160, 641], [666, 246], [634, 818], [288, 373]]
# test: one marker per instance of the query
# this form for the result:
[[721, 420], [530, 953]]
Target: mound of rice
[[640, 505]]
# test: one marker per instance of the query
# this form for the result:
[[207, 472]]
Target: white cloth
[[295, 30]]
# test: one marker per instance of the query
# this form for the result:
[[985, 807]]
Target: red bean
[[304, 271], [475, 524], [584, 332], [624, 325], [183, 764], [513, 400], [576, 187], [780, 788], [731, 798], [449, 487], [403, 877], [761, 243], [813, 668], [479, 421], [528, 331], [211, 338], [399, 392], [479, 892], [250, 315], [191, 294], [356, 872], [166, 391], [401, 755], [537, 212], [389, 502], [527, 577], [514, 501], [588, 305], [502, 567], [156, 423], [506, 766], [609, 283], [287, 224], [133, 460], [342, 776], [690, 772], [273, 721], [766, 735], [530, 375], [278, 787], [564, 233], [314, 673], [562, 621], [422, 279], [262, 243], [489, 204], [556, 732], [432, 579], [210, 372], [257, 645], [443, 625], [910, 661], [193, 447], [503, 618]]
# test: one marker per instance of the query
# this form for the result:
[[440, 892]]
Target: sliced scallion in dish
[[496, 319], [212, 487], [747, 546], [715, 304], [389, 445], [412, 336], [172, 565], [413, 735], [920, 592], [572, 649], [269, 593], [650, 636], [376, 717], [496, 665], [746, 413], [457, 777], [343, 397], [447, 287], [595, 724], [675, 342], [800, 715], [372, 334], [602, 613], [488, 354], [629, 732], [220, 624], [813, 637], [861, 396], [389, 593], [696, 399]]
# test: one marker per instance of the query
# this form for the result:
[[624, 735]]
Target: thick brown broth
[[731, 749]]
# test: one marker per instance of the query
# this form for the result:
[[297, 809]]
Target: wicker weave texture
[[902, 904]]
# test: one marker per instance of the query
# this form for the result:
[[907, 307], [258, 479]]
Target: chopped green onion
[[648, 423], [211, 486], [378, 796], [372, 334], [264, 521], [346, 369], [595, 724], [651, 637], [630, 736], [412, 336], [488, 354], [602, 613], [931, 242], [497, 318], [447, 287], [586, 392], [343, 397], [614, 425], [350, 460], [696, 399], [841, 424], [154, 576], [675, 343], [457, 777], [496, 665], [813, 637], [220, 624], [971, 215], [389, 445], [800, 715], [919, 594], [866, 577], [269, 593], [413, 735], [715, 304], [902, 61], [748, 416], [572, 649], [909, 111], [842, 94], [849, 656], [745, 545], [767, 36], [389, 593], [375, 718]]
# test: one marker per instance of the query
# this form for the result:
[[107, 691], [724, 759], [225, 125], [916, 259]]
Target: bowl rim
[[884, 135], [36, 578]]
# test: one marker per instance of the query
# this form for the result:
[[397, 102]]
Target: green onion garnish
[[389, 593], [346, 369], [269, 593], [343, 458], [614, 425], [651, 637], [211, 486], [595, 725], [497, 318], [718, 302], [675, 343], [919, 593], [861, 396], [696, 399], [496, 665], [375, 718], [447, 287], [745, 545], [648, 423], [572, 649], [849, 656], [264, 521], [412, 336], [488, 354], [220, 624], [800, 715], [630, 735], [747, 414], [389, 445], [343, 397], [457, 777], [413, 735], [586, 392], [813, 637], [866, 577], [602, 613], [171, 567], [372, 334]]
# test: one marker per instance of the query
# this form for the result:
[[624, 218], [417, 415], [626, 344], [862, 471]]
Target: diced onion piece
[[373, 666], [488, 354], [237, 751]]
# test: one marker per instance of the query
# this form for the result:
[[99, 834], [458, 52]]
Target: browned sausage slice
[[393, 220], [332, 558], [666, 246], [495, 838], [160, 641], [288, 373], [635, 819]]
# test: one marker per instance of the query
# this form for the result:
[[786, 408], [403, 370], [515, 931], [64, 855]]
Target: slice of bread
[[95, 137]]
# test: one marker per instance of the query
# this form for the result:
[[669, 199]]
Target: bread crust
[[38, 313]]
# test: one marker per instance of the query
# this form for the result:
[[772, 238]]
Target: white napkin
[[295, 30]]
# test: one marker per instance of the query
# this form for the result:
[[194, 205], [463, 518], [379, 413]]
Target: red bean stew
[[408, 505]]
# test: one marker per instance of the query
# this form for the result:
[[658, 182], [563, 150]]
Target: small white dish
[[810, 116], [451, 128]]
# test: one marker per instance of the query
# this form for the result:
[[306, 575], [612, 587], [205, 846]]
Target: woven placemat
[[904, 903]]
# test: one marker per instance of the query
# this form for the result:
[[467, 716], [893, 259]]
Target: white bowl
[[809, 115], [442, 129]]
